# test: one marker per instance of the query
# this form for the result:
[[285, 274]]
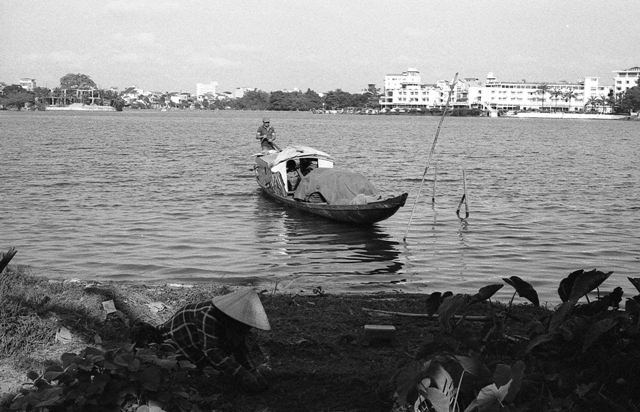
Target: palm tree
[[569, 95], [604, 102], [593, 102], [555, 95], [542, 89]]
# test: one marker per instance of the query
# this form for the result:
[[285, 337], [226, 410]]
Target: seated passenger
[[293, 175], [307, 165]]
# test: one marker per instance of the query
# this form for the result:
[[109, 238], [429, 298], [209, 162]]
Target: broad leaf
[[635, 282], [514, 373], [538, 340], [433, 303], [632, 306], [475, 367], [150, 378], [442, 380], [491, 397], [439, 400], [586, 282], [485, 293], [596, 330], [566, 285], [524, 289], [408, 378], [48, 397], [561, 315], [448, 308]]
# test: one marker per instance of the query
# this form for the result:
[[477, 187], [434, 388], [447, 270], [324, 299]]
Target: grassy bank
[[316, 356]]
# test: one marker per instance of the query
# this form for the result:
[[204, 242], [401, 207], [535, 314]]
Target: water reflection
[[322, 247]]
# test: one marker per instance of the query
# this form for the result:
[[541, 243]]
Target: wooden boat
[[335, 194]]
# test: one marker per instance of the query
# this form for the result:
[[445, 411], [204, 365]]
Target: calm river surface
[[170, 197]]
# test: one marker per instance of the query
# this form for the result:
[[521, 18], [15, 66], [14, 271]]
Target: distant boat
[[81, 106], [335, 194], [563, 115]]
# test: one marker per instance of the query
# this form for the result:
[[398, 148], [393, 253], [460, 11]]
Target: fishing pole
[[433, 148]]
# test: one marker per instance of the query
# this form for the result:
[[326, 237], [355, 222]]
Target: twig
[[430, 317]]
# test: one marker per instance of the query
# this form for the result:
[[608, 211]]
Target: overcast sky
[[170, 45]]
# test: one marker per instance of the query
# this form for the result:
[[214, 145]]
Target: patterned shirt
[[206, 336]]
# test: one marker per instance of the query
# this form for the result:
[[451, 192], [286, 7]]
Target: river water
[[170, 197]]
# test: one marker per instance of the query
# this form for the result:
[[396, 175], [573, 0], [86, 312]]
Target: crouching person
[[214, 333]]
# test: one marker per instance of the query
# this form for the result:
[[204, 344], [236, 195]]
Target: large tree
[[631, 100], [77, 81], [16, 96]]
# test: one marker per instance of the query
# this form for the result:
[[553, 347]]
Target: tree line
[[16, 97]]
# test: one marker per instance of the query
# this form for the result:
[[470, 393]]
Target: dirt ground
[[316, 354]]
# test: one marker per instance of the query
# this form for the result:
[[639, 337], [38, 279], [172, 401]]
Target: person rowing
[[267, 134]]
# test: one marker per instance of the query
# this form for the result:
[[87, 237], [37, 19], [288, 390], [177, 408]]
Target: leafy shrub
[[450, 373], [125, 379]]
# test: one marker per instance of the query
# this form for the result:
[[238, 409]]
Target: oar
[[275, 146]]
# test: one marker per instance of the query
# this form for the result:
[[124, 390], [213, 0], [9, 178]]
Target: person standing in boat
[[267, 134]]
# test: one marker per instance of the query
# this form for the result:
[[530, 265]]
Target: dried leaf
[[524, 289]]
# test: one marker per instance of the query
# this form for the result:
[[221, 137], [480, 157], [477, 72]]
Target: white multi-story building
[[204, 88], [405, 91], [28, 84], [239, 92], [523, 95], [626, 79]]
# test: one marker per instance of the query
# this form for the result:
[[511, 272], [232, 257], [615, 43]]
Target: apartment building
[[625, 79], [523, 95], [406, 91], [28, 84], [206, 88]]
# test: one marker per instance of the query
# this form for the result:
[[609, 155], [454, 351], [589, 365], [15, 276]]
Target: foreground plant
[[121, 380], [450, 373]]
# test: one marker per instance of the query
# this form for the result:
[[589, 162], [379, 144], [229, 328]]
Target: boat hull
[[356, 214]]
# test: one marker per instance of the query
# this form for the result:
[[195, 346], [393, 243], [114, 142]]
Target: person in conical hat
[[214, 333]]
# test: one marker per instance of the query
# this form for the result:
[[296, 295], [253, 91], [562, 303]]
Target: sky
[[322, 45]]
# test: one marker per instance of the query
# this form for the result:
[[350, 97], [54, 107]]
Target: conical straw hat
[[244, 306]]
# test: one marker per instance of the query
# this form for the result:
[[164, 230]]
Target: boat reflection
[[297, 243]]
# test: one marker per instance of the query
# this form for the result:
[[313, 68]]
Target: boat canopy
[[295, 152]]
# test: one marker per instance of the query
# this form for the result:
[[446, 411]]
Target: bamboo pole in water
[[433, 148]]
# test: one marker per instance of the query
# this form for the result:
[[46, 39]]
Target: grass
[[315, 349]]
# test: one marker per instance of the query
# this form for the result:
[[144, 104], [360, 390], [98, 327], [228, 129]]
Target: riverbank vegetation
[[65, 345], [80, 88]]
